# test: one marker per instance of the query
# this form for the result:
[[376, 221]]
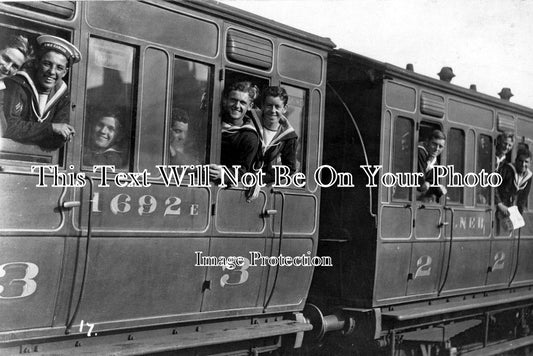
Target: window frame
[[210, 83], [129, 137]]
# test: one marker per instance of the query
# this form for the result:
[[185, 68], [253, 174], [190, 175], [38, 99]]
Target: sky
[[487, 42]]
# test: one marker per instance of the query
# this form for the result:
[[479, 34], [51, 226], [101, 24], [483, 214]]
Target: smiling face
[[236, 105], [522, 163], [503, 147], [51, 68], [11, 59], [105, 132], [436, 146], [273, 109]]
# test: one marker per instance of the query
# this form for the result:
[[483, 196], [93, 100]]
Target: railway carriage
[[436, 274], [94, 264]]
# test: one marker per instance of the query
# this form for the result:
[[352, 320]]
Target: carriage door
[[295, 222], [144, 233], [33, 224], [396, 220], [240, 231], [397, 209], [502, 259]]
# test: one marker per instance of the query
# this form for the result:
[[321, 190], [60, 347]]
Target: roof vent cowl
[[446, 74]]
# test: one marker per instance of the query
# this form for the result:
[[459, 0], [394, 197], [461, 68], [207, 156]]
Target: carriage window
[[14, 145], [402, 160], [110, 103], [456, 157], [429, 154], [484, 161], [296, 113], [189, 119]]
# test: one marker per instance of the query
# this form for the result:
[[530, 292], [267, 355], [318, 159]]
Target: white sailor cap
[[66, 48]]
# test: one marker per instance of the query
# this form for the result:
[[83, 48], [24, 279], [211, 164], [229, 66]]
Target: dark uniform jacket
[[110, 156], [513, 190], [25, 122], [280, 151], [423, 159], [239, 145]]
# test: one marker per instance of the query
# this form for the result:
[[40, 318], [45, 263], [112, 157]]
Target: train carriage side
[[114, 262], [398, 259]]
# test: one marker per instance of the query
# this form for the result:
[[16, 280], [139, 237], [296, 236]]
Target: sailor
[[37, 104]]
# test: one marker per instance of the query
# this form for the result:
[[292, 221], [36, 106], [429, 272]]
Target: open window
[[18, 151], [427, 159], [240, 151]]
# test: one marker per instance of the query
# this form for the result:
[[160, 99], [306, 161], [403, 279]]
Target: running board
[[500, 348], [186, 341], [454, 307]]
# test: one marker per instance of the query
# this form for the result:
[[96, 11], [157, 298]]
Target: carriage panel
[[289, 281], [501, 261], [157, 208], [236, 286], [425, 271], [19, 192], [30, 267], [524, 267], [138, 278], [392, 270]]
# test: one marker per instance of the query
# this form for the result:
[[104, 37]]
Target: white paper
[[516, 219]]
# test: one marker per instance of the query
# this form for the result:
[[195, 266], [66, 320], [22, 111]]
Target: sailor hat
[[67, 49]]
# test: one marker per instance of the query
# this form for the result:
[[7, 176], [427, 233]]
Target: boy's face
[[105, 132], [51, 68], [522, 163], [436, 146], [273, 109], [11, 59], [236, 104], [505, 146]]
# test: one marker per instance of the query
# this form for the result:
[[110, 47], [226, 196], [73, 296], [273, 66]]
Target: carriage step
[[500, 348], [186, 340], [418, 312]]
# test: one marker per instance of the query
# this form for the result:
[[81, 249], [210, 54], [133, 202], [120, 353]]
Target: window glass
[[110, 103], [189, 120], [402, 159], [455, 157], [296, 113], [484, 161]]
